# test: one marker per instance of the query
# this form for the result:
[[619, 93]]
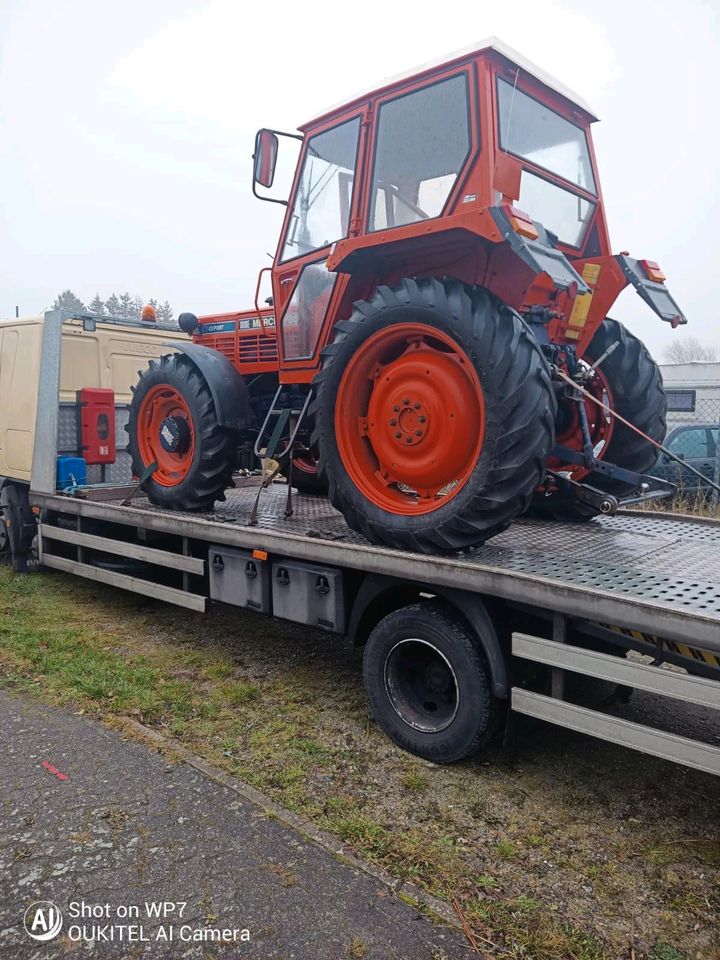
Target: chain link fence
[[693, 423]]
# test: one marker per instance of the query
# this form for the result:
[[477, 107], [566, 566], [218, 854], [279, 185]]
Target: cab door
[[321, 211]]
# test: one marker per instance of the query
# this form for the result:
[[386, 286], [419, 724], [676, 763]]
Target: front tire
[[433, 416], [428, 683], [305, 474], [173, 423]]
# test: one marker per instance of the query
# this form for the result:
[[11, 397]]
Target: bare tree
[[685, 349]]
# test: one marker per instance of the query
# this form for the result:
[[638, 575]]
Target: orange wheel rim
[[600, 426], [410, 418], [166, 435]]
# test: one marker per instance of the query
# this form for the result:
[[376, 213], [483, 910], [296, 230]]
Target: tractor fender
[[227, 387], [379, 596]]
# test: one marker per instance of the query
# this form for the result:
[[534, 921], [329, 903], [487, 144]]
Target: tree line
[[122, 307], [687, 349]]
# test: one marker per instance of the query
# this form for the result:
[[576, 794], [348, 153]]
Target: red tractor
[[438, 355]]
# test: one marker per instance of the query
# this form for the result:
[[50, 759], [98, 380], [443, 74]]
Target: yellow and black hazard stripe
[[681, 651]]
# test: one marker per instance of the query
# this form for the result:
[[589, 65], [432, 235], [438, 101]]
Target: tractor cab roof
[[491, 45]]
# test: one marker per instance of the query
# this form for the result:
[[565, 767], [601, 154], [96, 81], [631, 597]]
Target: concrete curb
[[327, 841]]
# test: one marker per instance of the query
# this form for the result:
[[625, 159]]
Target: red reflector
[[652, 271], [521, 222]]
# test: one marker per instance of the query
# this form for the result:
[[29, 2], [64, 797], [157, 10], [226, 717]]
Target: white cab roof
[[490, 43]]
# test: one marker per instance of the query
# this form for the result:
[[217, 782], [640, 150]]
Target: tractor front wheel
[[173, 424], [305, 474], [433, 416]]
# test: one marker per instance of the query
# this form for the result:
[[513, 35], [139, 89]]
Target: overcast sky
[[126, 130]]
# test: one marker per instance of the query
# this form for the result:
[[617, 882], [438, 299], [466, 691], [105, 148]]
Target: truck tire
[[445, 448], [428, 683], [635, 388], [173, 423], [18, 524]]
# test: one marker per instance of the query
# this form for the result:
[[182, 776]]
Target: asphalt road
[[128, 830]]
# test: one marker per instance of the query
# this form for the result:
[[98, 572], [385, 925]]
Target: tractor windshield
[[321, 210], [532, 131]]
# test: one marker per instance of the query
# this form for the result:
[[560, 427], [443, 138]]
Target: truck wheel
[[632, 383], [173, 423], [433, 416], [428, 683], [18, 523]]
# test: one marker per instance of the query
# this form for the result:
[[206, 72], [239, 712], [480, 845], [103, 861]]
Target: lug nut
[[398, 435], [418, 433], [406, 402], [417, 406], [393, 423], [422, 419], [409, 440], [396, 409]]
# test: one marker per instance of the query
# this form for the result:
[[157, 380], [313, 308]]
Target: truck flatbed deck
[[652, 572]]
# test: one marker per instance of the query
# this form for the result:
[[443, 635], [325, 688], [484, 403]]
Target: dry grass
[[687, 504]]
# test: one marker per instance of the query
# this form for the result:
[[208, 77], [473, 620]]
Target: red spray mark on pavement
[[51, 769]]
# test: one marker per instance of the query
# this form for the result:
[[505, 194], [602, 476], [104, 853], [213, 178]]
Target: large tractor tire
[[433, 416], [173, 423], [631, 383]]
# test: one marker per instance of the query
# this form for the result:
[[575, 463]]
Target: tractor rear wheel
[[632, 385], [433, 416], [173, 424]]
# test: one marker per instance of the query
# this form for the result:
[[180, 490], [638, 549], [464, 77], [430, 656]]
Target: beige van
[[100, 353], [108, 356]]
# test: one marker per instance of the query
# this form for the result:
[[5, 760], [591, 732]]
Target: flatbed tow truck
[[454, 644]]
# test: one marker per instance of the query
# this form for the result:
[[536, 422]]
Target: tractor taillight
[[652, 271], [521, 223]]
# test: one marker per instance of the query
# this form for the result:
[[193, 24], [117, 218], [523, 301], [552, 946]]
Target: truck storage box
[[309, 594], [238, 578]]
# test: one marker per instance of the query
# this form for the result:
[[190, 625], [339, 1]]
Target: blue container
[[71, 471]]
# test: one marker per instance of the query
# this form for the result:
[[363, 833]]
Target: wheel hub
[[421, 685], [175, 434], [408, 421], [165, 434]]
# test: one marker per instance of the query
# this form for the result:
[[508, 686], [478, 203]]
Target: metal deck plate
[[664, 559]]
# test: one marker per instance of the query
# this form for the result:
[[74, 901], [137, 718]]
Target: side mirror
[[265, 157]]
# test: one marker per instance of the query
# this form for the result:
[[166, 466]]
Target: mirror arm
[[268, 199]]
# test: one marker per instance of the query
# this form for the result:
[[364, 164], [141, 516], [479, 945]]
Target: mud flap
[[541, 257], [655, 294]]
